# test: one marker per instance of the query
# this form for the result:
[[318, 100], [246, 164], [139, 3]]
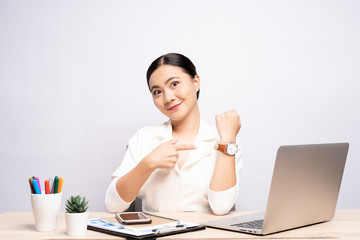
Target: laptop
[[304, 190]]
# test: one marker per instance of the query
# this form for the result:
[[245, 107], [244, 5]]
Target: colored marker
[[61, 182], [38, 181], [47, 187], [31, 185], [56, 185], [36, 187], [51, 185]]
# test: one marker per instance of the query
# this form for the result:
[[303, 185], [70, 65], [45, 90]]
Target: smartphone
[[132, 218]]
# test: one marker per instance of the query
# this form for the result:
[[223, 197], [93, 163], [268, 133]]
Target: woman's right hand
[[166, 154]]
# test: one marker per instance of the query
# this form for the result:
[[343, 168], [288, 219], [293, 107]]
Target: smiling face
[[174, 91]]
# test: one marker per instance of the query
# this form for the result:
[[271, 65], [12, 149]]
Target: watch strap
[[221, 147]]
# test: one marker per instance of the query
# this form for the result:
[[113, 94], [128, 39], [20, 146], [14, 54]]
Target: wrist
[[229, 148], [225, 140], [148, 164]]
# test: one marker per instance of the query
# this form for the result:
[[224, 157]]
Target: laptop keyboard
[[257, 224]]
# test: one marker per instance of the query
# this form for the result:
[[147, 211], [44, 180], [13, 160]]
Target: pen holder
[[46, 208]]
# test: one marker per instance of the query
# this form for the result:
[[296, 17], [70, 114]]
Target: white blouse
[[185, 189]]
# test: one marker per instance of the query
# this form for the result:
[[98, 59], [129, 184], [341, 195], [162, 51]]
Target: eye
[[156, 92], [174, 84]]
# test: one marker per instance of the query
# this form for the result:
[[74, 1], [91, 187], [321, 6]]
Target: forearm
[[228, 125], [224, 175], [129, 185], [221, 201], [223, 190]]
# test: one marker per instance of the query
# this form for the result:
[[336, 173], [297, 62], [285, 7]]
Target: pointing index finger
[[183, 147]]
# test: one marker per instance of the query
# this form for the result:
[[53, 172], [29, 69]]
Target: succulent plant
[[76, 204]]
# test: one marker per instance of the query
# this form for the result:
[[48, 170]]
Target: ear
[[196, 82]]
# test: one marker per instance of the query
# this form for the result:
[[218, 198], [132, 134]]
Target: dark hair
[[174, 59]]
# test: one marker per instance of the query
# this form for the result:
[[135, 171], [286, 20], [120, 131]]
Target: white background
[[73, 87]]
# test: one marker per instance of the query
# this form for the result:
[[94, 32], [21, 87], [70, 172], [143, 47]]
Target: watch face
[[231, 149]]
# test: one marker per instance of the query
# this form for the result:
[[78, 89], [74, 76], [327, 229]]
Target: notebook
[[304, 190]]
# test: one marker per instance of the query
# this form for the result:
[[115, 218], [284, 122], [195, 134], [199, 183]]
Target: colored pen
[[47, 187], [36, 187], [56, 185], [31, 185]]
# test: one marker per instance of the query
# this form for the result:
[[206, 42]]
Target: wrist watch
[[230, 149]]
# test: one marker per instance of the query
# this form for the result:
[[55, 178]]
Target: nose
[[168, 97]]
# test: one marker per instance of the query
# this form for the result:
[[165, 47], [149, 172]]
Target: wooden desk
[[345, 225]]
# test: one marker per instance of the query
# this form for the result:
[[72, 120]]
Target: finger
[[174, 140], [183, 147]]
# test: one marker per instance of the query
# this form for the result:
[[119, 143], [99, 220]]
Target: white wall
[[73, 88]]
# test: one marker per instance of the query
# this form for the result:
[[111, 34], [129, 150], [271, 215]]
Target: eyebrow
[[166, 82]]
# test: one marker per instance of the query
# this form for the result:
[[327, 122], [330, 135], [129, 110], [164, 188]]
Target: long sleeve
[[113, 201], [221, 202]]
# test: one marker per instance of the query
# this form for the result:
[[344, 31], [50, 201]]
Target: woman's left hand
[[228, 125]]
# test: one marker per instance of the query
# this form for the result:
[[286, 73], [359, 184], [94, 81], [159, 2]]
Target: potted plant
[[76, 215]]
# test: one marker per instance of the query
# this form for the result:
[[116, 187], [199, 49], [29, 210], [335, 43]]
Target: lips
[[175, 106]]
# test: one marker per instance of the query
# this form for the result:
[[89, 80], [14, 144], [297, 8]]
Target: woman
[[183, 164]]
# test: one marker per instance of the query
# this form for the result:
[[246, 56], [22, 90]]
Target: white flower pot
[[76, 223]]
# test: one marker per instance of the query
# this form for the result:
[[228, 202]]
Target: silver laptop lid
[[304, 189], [305, 185]]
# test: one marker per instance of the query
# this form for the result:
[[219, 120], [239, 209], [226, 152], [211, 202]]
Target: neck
[[189, 125]]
